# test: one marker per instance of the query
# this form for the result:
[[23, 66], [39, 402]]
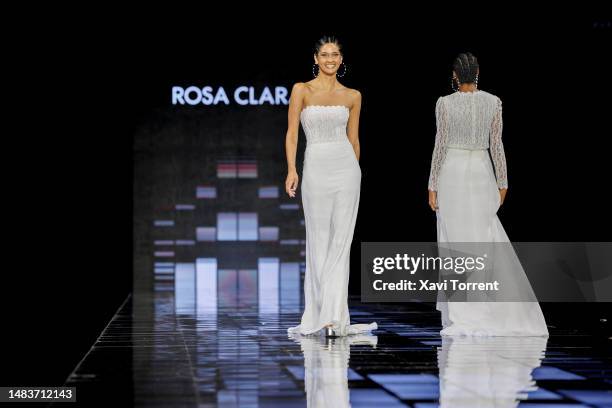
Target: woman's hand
[[291, 183], [502, 195], [433, 200]]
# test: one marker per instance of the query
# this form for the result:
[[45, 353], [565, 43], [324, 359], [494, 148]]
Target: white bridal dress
[[330, 190], [469, 123]]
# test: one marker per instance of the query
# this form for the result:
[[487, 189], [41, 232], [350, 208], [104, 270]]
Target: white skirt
[[468, 200], [331, 183]]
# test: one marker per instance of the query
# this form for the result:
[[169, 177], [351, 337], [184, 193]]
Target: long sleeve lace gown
[[469, 123], [330, 190]]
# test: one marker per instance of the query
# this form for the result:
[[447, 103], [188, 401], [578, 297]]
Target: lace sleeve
[[439, 152], [497, 148]]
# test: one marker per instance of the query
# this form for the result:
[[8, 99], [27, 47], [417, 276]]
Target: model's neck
[[327, 82], [471, 87]]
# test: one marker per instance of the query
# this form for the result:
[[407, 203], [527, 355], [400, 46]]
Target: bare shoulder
[[354, 96], [354, 93], [299, 87]]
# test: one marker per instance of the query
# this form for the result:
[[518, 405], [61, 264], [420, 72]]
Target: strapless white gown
[[331, 183]]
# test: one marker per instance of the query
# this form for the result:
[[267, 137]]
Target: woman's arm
[[291, 139], [353, 123], [497, 148], [439, 152]]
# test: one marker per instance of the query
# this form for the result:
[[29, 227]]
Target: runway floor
[[157, 353]]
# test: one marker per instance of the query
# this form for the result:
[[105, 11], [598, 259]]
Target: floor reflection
[[488, 372], [326, 370], [157, 351]]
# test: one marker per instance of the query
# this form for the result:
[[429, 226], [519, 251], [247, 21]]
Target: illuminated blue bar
[[290, 286], [206, 233], [184, 287], [206, 284], [268, 192], [268, 285], [289, 242], [163, 223], [185, 242], [247, 227], [206, 192], [227, 226], [268, 233]]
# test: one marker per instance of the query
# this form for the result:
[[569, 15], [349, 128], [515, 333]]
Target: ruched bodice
[[325, 123]]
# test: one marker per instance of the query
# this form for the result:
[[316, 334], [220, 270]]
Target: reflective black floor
[[156, 352]]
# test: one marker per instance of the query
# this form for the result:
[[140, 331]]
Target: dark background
[[90, 86]]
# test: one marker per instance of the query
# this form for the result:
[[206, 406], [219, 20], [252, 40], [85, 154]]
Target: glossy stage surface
[[159, 352]]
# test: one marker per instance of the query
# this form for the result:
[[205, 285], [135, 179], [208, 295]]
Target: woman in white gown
[[329, 113], [466, 194]]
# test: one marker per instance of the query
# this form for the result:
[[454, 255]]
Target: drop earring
[[314, 67], [455, 84], [343, 72]]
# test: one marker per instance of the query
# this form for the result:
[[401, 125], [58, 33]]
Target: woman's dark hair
[[326, 39], [466, 67]]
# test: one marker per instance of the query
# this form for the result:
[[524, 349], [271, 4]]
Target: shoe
[[330, 332]]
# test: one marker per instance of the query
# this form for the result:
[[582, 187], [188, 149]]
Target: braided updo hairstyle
[[327, 39], [466, 68]]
